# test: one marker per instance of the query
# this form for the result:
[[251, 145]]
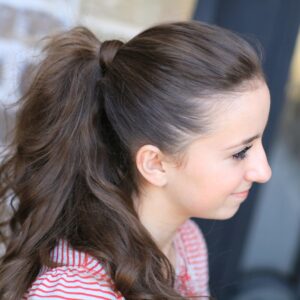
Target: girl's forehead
[[242, 116]]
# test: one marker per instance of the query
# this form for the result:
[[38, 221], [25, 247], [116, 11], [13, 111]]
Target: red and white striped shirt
[[81, 276]]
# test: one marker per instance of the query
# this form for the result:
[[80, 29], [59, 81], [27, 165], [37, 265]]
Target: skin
[[209, 183]]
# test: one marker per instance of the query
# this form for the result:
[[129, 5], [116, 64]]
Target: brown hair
[[70, 171]]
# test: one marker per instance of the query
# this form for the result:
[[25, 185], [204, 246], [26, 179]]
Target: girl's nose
[[259, 168]]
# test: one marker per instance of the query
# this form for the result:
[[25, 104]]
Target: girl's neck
[[161, 221]]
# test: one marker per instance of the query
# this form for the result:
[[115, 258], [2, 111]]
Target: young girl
[[116, 146]]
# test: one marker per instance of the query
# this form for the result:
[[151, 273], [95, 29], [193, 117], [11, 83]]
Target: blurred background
[[256, 254]]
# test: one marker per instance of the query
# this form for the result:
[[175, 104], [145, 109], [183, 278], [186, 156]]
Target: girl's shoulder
[[79, 276], [70, 283]]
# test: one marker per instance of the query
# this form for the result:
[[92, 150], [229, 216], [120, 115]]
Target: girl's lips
[[242, 194]]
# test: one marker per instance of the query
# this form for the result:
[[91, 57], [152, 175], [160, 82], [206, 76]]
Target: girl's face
[[220, 169]]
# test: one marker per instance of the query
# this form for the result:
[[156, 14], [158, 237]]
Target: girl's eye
[[242, 154]]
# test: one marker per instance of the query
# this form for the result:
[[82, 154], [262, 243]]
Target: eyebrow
[[245, 142]]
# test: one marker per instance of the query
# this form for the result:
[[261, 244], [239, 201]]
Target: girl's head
[[184, 93], [105, 124]]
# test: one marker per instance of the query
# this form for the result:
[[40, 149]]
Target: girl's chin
[[223, 214]]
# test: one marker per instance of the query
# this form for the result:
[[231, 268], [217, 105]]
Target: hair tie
[[107, 53]]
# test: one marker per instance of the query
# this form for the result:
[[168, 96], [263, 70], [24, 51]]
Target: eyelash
[[242, 154]]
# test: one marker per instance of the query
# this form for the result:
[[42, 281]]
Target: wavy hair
[[70, 171]]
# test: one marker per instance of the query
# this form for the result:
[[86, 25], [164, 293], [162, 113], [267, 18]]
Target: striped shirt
[[81, 276]]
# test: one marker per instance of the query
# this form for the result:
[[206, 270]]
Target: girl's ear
[[150, 165]]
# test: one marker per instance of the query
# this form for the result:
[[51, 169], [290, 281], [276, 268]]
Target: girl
[[116, 146]]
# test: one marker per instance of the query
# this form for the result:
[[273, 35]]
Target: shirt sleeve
[[70, 283]]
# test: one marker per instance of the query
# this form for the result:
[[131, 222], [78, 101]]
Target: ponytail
[[58, 107]]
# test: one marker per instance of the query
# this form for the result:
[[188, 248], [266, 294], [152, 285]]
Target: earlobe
[[149, 164]]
